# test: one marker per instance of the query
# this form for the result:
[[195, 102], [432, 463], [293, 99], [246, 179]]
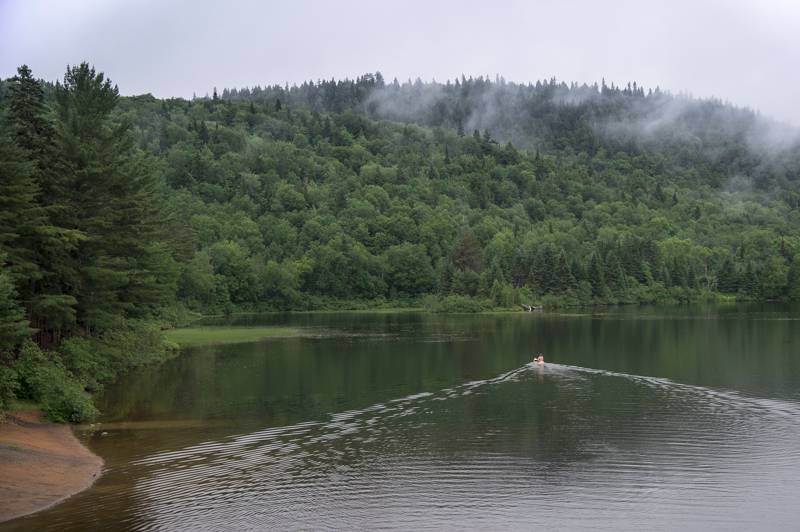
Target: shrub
[[83, 358], [94, 360], [43, 378], [8, 388]]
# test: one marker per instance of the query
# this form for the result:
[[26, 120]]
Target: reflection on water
[[644, 420]]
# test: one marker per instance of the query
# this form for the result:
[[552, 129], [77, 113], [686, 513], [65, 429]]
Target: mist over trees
[[119, 214], [714, 138]]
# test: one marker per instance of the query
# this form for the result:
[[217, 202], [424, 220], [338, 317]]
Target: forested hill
[[712, 138], [118, 214]]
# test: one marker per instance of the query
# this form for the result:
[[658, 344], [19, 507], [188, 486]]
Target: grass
[[19, 405], [23, 405], [197, 336]]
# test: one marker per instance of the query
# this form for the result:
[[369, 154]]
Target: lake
[[641, 418]]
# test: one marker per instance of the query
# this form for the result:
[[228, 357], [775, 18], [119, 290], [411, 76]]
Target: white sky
[[743, 51]]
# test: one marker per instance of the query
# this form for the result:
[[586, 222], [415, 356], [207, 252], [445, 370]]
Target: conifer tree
[[20, 216], [749, 282], [42, 236], [566, 281], [121, 263], [728, 279], [615, 275], [203, 133], [27, 114], [13, 326], [596, 276]]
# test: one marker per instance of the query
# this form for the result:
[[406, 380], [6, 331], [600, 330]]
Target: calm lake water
[[642, 418]]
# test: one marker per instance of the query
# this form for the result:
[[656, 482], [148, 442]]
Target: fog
[[651, 116], [744, 52]]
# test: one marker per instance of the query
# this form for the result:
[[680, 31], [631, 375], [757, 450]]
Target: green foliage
[[13, 327], [44, 379], [122, 271], [97, 359], [320, 198], [84, 238], [59, 380], [774, 278], [409, 270], [20, 219], [8, 387], [34, 203], [793, 279]]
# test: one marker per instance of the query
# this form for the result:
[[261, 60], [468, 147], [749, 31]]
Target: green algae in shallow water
[[197, 336]]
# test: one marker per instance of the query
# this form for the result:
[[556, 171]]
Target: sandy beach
[[41, 464]]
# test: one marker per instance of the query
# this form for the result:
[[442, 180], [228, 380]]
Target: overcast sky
[[743, 51]]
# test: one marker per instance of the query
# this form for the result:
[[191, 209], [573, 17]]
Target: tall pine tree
[[13, 326], [123, 265], [20, 216], [48, 245]]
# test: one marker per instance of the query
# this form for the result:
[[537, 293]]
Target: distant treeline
[[119, 214]]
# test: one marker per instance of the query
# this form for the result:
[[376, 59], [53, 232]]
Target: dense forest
[[120, 216]]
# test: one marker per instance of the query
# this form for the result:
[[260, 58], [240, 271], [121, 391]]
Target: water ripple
[[496, 453]]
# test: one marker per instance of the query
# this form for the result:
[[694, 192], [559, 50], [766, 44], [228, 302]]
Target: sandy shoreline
[[41, 464]]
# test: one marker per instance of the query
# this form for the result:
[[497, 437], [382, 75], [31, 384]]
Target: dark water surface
[[643, 418]]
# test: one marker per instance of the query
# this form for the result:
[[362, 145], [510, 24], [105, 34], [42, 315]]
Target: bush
[[96, 360], [8, 388], [44, 379], [84, 360], [504, 295], [59, 381]]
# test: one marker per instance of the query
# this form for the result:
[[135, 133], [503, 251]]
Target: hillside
[[117, 214], [590, 194]]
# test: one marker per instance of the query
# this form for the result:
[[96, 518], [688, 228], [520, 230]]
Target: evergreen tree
[[565, 279], [596, 276], [543, 270], [577, 270], [728, 278], [203, 133], [27, 115], [20, 216], [43, 242], [13, 326], [614, 274], [120, 264], [749, 282]]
